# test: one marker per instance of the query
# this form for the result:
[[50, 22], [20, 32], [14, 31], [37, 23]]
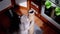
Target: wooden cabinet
[[36, 4]]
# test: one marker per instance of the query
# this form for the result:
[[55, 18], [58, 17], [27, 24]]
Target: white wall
[[21, 2], [4, 4]]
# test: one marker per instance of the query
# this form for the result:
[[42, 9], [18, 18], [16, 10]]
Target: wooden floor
[[46, 29]]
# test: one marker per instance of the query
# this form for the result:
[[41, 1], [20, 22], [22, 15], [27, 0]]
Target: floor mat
[[37, 30]]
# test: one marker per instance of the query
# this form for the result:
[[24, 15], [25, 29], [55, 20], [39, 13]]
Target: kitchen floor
[[37, 30]]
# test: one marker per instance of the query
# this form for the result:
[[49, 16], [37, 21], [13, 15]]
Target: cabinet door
[[36, 4], [4, 21]]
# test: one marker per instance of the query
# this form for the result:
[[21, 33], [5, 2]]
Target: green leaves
[[48, 4], [57, 11]]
